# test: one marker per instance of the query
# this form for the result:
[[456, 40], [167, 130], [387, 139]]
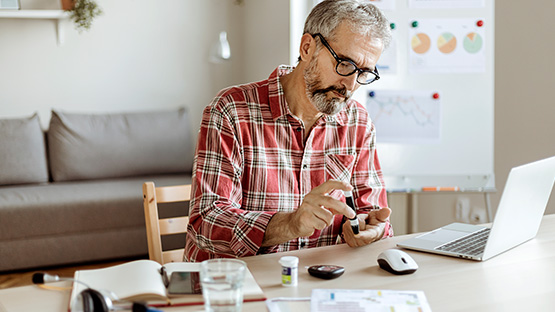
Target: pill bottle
[[289, 270]]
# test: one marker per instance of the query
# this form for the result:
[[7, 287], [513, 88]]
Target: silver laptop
[[517, 219]]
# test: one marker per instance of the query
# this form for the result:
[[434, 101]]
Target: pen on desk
[[164, 274], [351, 203]]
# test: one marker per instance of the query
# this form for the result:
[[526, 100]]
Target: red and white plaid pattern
[[251, 162]]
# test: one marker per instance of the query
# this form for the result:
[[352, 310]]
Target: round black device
[[326, 271]]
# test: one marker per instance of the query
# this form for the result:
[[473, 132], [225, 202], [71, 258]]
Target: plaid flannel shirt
[[252, 161]]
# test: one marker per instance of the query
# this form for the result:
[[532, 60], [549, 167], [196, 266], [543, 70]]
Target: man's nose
[[350, 82]]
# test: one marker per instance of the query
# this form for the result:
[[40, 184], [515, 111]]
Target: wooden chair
[[156, 227]]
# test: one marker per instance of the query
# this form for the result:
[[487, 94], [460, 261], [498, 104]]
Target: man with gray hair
[[274, 157]]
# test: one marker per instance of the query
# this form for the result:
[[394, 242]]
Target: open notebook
[[141, 280], [517, 220]]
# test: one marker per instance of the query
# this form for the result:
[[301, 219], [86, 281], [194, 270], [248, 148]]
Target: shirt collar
[[278, 104]]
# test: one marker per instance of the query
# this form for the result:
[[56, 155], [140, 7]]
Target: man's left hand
[[371, 228]]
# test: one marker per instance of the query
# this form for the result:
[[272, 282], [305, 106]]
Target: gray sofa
[[74, 193]]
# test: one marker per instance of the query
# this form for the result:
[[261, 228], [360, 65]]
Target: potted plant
[[82, 12]]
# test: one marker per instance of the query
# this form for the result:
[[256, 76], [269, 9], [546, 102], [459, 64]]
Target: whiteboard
[[463, 156]]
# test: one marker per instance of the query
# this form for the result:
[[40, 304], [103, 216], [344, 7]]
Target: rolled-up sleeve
[[218, 227]]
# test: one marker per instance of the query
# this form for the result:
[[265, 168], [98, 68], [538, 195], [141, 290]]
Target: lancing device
[[351, 203]]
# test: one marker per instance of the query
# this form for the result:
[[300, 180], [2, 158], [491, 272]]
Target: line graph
[[405, 116]]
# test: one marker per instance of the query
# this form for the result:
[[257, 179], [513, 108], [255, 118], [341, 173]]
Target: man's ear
[[307, 48]]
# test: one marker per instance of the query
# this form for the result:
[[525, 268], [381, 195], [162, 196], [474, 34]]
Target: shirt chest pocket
[[339, 166]]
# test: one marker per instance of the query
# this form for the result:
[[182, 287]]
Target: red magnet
[[480, 23], [435, 96]]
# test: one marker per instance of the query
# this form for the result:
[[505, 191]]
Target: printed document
[[366, 300]]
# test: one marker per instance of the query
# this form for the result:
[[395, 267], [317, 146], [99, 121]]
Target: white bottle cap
[[289, 261]]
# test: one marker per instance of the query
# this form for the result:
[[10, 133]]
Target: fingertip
[[333, 184], [384, 213], [345, 186], [350, 212], [347, 189]]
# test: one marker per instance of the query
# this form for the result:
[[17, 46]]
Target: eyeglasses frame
[[339, 60]]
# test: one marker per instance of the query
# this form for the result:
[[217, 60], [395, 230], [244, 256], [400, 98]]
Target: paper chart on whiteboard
[[447, 46], [405, 116], [446, 4], [387, 63], [384, 4]]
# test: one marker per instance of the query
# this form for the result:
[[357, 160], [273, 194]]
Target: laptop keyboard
[[472, 244]]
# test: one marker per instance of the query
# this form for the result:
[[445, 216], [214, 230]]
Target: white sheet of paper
[[384, 4], [284, 304], [446, 4], [405, 116], [454, 45], [337, 300]]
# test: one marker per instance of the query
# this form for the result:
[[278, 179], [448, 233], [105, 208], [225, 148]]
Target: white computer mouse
[[397, 262]]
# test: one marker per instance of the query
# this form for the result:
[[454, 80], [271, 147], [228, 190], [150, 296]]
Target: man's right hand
[[318, 208], [315, 213]]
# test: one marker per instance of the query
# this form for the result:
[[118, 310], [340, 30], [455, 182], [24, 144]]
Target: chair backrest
[[156, 227]]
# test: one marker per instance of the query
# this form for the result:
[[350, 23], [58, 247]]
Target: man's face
[[327, 99], [325, 88]]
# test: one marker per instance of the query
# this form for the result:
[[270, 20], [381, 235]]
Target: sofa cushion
[[22, 151], [83, 146], [62, 208], [67, 222]]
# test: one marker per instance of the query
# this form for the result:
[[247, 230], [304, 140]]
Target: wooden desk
[[521, 279]]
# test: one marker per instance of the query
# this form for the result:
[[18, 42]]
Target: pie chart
[[420, 43], [473, 42], [446, 43]]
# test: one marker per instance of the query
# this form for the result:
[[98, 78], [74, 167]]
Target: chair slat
[[170, 194], [175, 255], [156, 227], [173, 225]]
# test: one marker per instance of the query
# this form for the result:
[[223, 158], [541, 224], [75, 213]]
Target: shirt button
[[299, 129], [303, 244], [305, 166]]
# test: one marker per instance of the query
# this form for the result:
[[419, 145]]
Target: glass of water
[[222, 284]]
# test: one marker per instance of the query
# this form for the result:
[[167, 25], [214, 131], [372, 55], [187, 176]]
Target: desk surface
[[521, 279]]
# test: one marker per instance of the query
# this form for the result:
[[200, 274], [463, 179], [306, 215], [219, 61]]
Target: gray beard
[[324, 105], [318, 95]]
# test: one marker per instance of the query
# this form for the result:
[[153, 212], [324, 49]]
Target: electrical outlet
[[478, 215], [462, 210]]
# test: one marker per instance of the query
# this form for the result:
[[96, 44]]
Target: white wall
[[525, 105], [266, 35], [143, 55], [139, 55]]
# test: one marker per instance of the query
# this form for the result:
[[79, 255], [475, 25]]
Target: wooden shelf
[[57, 15]]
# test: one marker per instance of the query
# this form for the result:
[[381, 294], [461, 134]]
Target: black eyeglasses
[[347, 67]]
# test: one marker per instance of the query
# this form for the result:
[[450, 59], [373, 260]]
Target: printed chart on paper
[[403, 116]]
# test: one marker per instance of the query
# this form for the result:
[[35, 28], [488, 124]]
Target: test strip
[[351, 203]]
